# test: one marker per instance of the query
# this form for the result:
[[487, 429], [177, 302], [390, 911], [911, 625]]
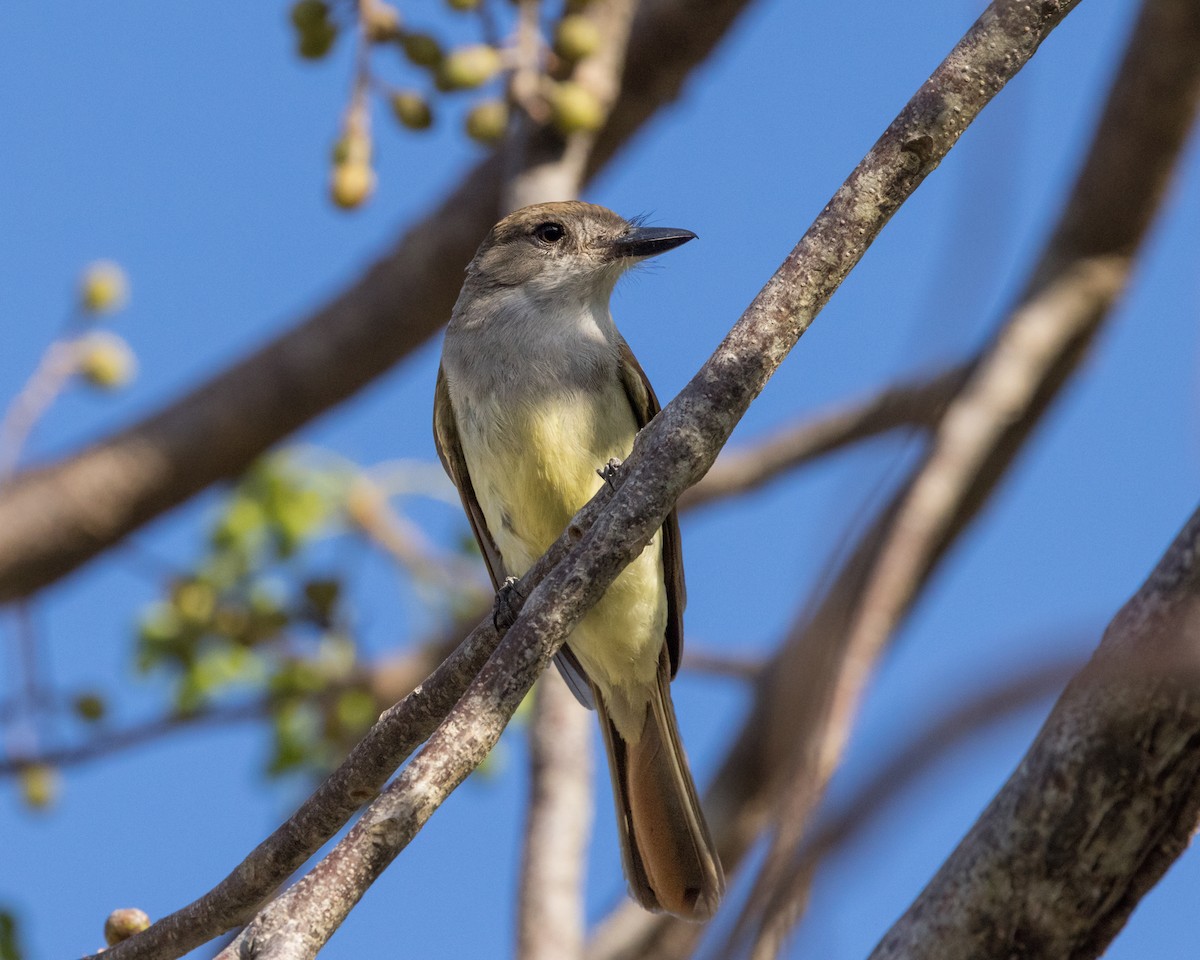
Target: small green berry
[[576, 37], [103, 287], [317, 42], [105, 360], [469, 67], [421, 49], [575, 108], [307, 14], [463, 4], [412, 110], [351, 184], [487, 121], [39, 785], [90, 707], [381, 21], [123, 924]]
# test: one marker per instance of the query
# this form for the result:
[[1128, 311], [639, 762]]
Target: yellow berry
[[421, 49], [352, 184], [412, 110], [469, 67], [575, 108], [103, 287], [123, 924], [105, 360], [576, 37], [487, 121], [39, 785]]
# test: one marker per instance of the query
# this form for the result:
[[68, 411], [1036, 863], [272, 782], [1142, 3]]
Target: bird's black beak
[[649, 241]]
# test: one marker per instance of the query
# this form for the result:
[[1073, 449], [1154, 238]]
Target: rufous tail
[[669, 858]]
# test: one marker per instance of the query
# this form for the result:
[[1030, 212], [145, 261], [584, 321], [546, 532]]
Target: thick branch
[[674, 451], [56, 518], [1102, 804]]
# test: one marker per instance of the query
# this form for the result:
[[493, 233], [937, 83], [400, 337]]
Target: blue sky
[[187, 142]]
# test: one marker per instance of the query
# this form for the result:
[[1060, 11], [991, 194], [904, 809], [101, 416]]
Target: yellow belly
[[532, 471]]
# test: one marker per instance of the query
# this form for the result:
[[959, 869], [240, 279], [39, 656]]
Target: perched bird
[[537, 391]]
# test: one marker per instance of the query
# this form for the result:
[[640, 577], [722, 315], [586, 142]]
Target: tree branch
[[671, 453], [1102, 804], [55, 518], [550, 917]]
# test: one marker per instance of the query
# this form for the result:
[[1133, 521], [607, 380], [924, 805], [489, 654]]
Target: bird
[[536, 391]]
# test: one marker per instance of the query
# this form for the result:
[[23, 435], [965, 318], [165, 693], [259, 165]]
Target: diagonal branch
[[55, 518], [670, 454], [1103, 803]]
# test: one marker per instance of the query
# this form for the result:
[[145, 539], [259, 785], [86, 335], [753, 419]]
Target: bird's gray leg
[[608, 472], [507, 605]]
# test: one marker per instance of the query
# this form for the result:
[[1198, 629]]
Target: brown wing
[[645, 406], [450, 452]]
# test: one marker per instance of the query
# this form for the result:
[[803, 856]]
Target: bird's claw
[[608, 472], [507, 605]]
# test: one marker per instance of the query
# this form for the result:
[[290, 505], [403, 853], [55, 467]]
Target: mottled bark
[[1105, 800]]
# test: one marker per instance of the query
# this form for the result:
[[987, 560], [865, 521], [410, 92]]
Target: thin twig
[[721, 664], [58, 364], [115, 741], [917, 403]]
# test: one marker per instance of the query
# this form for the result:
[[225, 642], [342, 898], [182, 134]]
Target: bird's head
[[566, 250]]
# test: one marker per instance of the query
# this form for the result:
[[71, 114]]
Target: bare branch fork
[[674, 451]]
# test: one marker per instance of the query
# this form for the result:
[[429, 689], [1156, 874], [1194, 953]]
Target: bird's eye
[[549, 232]]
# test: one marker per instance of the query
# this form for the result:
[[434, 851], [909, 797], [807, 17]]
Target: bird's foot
[[507, 605], [608, 472]]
